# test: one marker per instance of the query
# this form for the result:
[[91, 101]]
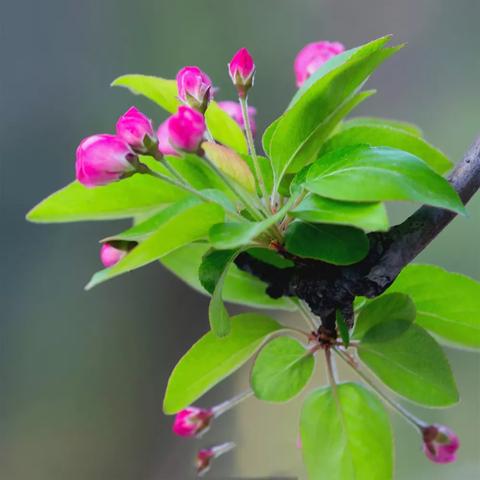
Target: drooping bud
[[206, 455], [440, 444], [110, 255], [194, 88], [312, 56], [136, 129], [163, 137], [192, 421], [186, 129], [103, 159], [234, 110], [242, 70]]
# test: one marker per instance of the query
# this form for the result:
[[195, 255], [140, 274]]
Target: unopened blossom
[[194, 88], [235, 111], [192, 421], [312, 56], [206, 455], [440, 444], [164, 140], [186, 129], [136, 129], [110, 255], [103, 159], [242, 69]]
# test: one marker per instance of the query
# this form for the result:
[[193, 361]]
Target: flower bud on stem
[[251, 147]]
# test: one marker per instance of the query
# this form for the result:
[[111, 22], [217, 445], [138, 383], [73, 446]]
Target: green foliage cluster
[[329, 180]]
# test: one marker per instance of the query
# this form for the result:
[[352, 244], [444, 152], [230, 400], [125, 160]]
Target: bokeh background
[[82, 375]]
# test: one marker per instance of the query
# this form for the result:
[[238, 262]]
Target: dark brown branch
[[327, 287]]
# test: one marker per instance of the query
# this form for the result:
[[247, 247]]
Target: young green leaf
[[212, 359], [265, 169], [366, 216], [448, 304], [281, 370], [230, 163], [142, 230], [239, 287], [339, 434], [296, 138], [123, 199], [407, 359], [388, 136], [395, 306], [371, 174], [212, 274], [164, 93], [342, 328], [186, 227], [331, 243], [375, 121], [268, 134]]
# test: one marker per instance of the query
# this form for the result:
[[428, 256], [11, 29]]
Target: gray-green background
[[82, 375]]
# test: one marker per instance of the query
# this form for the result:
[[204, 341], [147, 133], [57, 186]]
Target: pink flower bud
[[103, 159], [192, 421], [312, 56], [136, 129], [110, 255], [440, 444], [206, 455], [164, 140], [186, 129], [194, 88], [242, 69], [235, 111]]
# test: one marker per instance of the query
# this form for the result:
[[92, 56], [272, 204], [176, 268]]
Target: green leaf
[[265, 169], [235, 234], [197, 173], [342, 328], [388, 136], [346, 438], [212, 273], [186, 227], [371, 174], [366, 216], [160, 90], [212, 359], [331, 243], [395, 306], [123, 199], [281, 370], [267, 136], [225, 129], [407, 359], [270, 256], [448, 304], [142, 230], [374, 122], [240, 287], [164, 93], [231, 164], [296, 138]]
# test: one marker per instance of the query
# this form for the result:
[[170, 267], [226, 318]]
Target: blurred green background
[[82, 375]]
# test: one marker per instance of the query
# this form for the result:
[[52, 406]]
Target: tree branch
[[327, 287]]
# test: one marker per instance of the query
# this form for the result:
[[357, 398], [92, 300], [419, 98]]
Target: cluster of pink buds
[[440, 444]]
